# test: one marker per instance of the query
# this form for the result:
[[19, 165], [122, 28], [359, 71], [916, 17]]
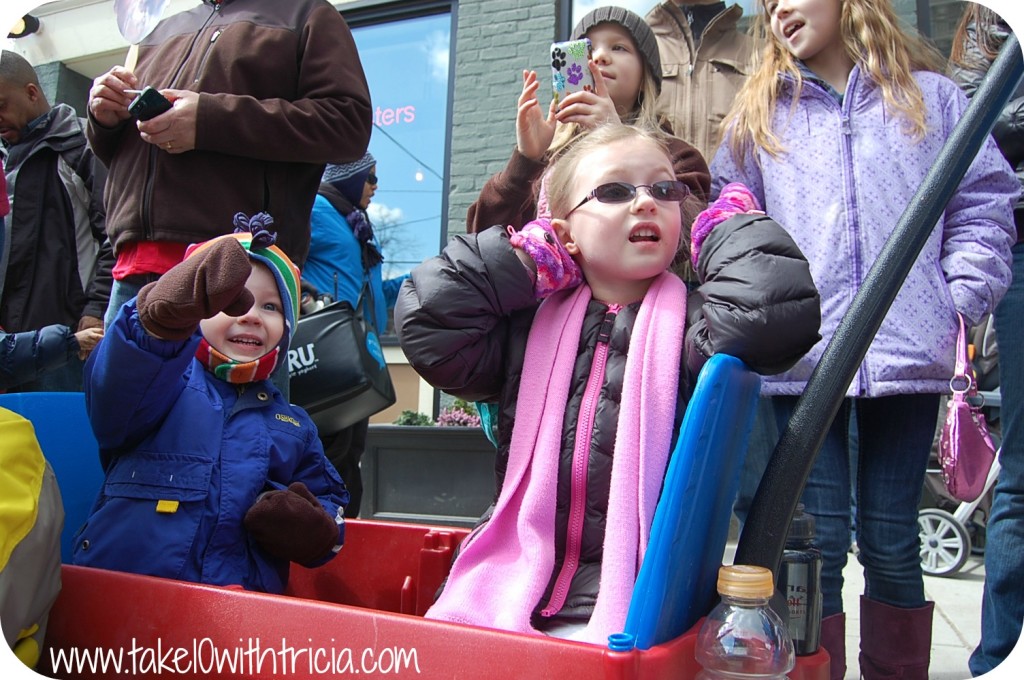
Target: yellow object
[[26, 648], [21, 477], [167, 506], [27, 651]]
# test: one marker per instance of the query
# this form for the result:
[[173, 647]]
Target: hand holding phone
[[570, 70], [148, 104]]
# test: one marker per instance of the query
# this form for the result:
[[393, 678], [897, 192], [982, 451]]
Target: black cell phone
[[148, 104]]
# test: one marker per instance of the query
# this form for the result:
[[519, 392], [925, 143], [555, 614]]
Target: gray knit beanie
[[642, 34]]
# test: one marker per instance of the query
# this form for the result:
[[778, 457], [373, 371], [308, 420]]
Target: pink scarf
[[503, 568]]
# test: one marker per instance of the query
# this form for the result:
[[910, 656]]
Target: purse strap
[[366, 292], [962, 381]]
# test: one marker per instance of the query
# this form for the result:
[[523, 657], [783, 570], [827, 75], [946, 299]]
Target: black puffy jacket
[[464, 317], [1008, 130]]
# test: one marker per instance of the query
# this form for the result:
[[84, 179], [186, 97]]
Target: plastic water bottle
[[800, 582], [742, 637]]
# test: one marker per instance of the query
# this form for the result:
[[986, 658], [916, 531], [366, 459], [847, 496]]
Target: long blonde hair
[[873, 39]]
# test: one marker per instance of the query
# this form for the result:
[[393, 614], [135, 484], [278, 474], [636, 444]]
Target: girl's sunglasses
[[624, 192], [371, 179]]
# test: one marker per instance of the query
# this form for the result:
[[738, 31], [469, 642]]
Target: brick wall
[[495, 41], [61, 84]]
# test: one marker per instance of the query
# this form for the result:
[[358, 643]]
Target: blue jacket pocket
[[148, 517]]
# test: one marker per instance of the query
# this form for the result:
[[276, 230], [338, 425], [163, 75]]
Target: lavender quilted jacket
[[847, 174]]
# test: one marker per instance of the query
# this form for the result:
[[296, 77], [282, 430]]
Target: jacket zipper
[[846, 135], [206, 54], [580, 460], [147, 194]]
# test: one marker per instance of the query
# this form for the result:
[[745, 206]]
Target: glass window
[[406, 64]]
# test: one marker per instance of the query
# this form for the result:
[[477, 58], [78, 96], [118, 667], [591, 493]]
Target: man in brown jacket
[[264, 94], [705, 59]]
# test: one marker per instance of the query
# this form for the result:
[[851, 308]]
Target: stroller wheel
[[945, 543]]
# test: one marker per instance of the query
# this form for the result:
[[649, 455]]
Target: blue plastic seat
[[677, 580], [65, 436]]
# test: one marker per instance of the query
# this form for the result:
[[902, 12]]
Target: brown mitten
[[291, 524], [210, 281]]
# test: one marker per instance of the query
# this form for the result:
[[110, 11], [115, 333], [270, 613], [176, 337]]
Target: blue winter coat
[[848, 172], [171, 433]]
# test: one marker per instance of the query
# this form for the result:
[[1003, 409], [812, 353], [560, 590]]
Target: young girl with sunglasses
[[834, 133], [591, 384], [626, 66]]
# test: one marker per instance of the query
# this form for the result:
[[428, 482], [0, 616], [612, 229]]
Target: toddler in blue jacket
[[211, 476]]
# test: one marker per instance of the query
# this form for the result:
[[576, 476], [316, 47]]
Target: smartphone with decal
[[570, 71], [148, 104]]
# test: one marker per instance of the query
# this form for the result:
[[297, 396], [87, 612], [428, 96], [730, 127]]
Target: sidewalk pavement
[[956, 627]]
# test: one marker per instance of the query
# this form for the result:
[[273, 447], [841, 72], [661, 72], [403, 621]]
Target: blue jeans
[[1002, 609], [124, 290], [760, 446], [763, 437], [895, 438], [121, 292]]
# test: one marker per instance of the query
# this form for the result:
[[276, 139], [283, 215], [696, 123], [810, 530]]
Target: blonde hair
[[873, 39], [563, 171], [643, 114]]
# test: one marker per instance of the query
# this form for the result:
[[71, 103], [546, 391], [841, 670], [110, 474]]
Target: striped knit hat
[[254, 235]]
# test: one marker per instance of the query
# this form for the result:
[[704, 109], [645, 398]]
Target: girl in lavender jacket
[[833, 134]]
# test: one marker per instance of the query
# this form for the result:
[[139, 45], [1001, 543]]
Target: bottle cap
[[744, 580], [801, 528]]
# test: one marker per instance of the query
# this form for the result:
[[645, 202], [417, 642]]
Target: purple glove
[[556, 270], [292, 525], [735, 199]]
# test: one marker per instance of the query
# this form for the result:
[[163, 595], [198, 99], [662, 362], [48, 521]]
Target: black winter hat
[[642, 34]]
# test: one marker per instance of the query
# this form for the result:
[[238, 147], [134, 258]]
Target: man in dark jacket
[[264, 94], [54, 235]]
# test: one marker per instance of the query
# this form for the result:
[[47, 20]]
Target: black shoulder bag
[[336, 366]]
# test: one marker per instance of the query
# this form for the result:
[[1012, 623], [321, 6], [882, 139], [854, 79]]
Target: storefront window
[[406, 62]]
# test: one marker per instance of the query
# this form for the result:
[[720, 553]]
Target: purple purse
[[966, 452]]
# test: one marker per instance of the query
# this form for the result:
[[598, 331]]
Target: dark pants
[[345, 449]]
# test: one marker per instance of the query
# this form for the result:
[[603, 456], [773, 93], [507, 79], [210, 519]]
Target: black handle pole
[[764, 533]]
